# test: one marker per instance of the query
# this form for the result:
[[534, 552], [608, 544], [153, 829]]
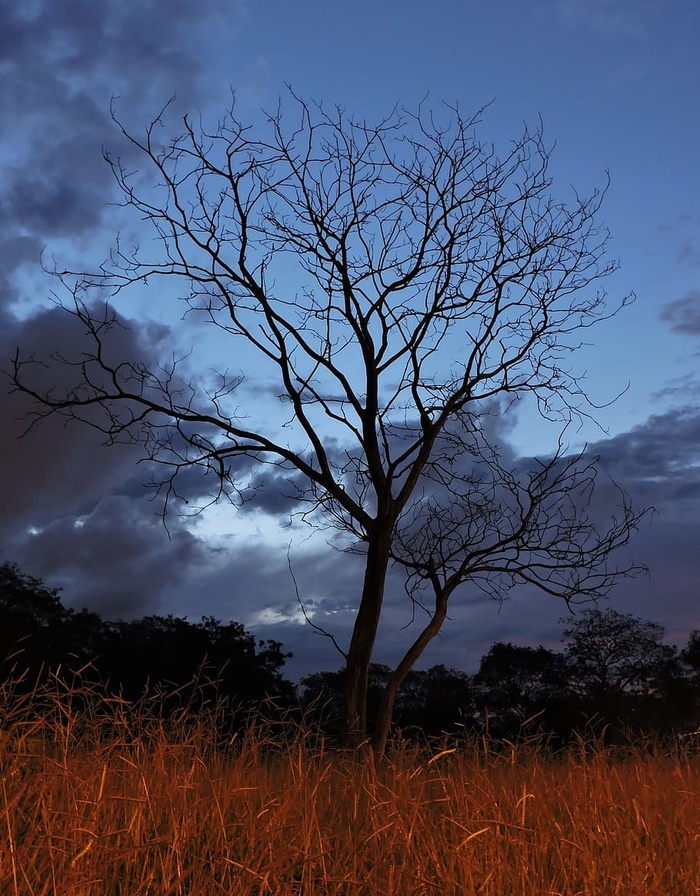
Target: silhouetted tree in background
[[615, 676], [622, 671], [691, 655], [430, 702], [687, 691], [323, 693], [32, 621], [515, 684], [437, 701], [401, 282], [38, 635]]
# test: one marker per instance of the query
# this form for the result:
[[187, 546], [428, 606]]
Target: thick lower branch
[[386, 709]]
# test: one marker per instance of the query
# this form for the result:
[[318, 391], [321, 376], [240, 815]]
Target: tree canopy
[[402, 282]]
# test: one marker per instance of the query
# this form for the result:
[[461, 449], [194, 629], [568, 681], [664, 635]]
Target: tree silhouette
[[622, 669], [436, 701], [516, 683], [31, 622], [611, 651], [691, 656], [401, 282], [38, 635]]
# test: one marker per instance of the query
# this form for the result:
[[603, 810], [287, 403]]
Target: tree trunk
[[363, 637]]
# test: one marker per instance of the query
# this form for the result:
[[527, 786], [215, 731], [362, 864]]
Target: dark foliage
[[436, 701], [690, 656], [615, 678], [322, 696], [521, 686], [156, 654], [430, 702]]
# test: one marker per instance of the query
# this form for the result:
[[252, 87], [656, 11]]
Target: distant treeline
[[615, 678]]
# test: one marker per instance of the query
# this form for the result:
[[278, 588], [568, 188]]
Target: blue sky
[[616, 85]]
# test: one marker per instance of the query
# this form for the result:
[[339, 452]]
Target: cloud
[[61, 64], [663, 447], [689, 254], [658, 463], [276, 493], [117, 558], [684, 314], [624, 18], [75, 511], [58, 465]]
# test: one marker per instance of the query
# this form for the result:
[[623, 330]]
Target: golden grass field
[[107, 801]]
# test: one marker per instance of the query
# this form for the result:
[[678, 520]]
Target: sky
[[615, 83]]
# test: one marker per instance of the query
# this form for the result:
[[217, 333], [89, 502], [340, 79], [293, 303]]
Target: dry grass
[[105, 799]]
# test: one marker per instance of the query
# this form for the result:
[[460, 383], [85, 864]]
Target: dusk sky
[[616, 83]]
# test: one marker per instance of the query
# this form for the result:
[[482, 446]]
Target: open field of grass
[[109, 800]]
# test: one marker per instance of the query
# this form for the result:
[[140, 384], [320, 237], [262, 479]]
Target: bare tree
[[404, 281]]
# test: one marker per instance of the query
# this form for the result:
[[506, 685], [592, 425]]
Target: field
[[101, 798]]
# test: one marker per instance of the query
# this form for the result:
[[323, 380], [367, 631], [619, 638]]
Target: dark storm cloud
[[60, 66], [17, 250], [74, 511], [116, 559], [59, 464], [57, 55], [275, 493], [51, 200], [283, 492], [684, 314], [251, 582], [658, 461]]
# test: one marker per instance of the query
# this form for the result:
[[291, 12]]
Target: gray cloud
[[689, 254], [58, 465], [61, 64], [73, 510], [684, 314], [680, 389], [274, 492], [658, 462], [660, 457], [117, 558]]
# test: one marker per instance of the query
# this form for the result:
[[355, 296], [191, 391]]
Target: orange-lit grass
[[111, 800]]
